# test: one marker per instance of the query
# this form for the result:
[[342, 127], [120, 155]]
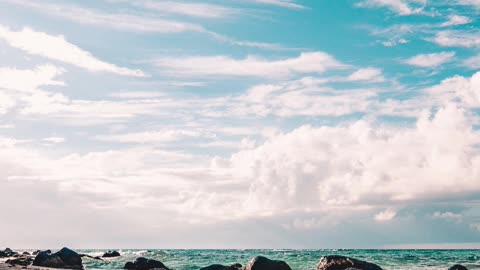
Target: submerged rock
[[337, 262], [458, 267], [236, 266], [263, 263], [145, 264], [111, 254], [65, 258]]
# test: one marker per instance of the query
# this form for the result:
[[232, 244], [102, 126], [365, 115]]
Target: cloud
[[431, 60], [123, 22], [456, 20], [367, 74], [447, 215], [251, 66], [29, 80], [153, 136], [463, 90], [472, 62], [457, 38], [401, 7], [59, 49], [201, 10], [384, 216], [281, 3]]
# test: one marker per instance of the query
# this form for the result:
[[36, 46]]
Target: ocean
[[297, 259]]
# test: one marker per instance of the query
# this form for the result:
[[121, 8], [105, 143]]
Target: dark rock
[[65, 258], [262, 263], [458, 267], [337, 262], [236, 266], [7, 253], [23, 261], [26, 253], [145, 264], [91, 257], [111, 254]]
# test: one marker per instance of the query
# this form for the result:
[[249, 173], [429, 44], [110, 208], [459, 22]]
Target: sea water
[[297, 259]]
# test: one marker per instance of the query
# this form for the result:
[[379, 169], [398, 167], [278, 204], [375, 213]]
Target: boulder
[[337, 262], [145, 264], [65, 258], [23, 261], [111, 254], [263, 263], [26, 253], [236, 266], [458, 267], [7, 253]]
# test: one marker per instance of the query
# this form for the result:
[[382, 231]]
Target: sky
[[240, 123]]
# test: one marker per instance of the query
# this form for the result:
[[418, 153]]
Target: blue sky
[[240, 123]]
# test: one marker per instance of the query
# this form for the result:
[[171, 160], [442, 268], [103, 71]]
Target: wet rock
[[91, 257], [23, 261], [236, 266], [26, 253], [263, 263], [145, 264], [337, 262], [458, 267], [7, 253], [111, 254], [65, 258]]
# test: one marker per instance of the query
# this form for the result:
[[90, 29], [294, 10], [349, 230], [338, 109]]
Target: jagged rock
[[263, 263], [111, 254], [23, 261], [337, 262], [65, 258], [145, 264], [236, 266], [458, 267]]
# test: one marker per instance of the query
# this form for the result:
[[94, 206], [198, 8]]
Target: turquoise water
[[297, 259]]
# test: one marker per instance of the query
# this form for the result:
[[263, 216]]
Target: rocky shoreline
[[68, 259]]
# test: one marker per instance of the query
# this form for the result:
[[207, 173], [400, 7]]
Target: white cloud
[[367, 74], [314, 62], [401, 7], [57, 48], [153, 136], [54, 139], [202, 10], [280, 3], [123, 22], [447, 215], [451, 38], [456, 20], [385, 216], [25, 80], [465, 91], [431, 60], [472, 62]]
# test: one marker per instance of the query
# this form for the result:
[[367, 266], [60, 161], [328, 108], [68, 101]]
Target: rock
[[262, 263], [337, 262], [23, 261], [145, 264], [458, 267], [7, 253], [65, 258], [111, 254], [26, 253], [91, 257], [236, 266]]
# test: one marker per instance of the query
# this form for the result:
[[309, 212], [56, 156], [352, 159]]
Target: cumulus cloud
[[59, 49], [456, 20], [312, 62], [457, 38], [431, 60]]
